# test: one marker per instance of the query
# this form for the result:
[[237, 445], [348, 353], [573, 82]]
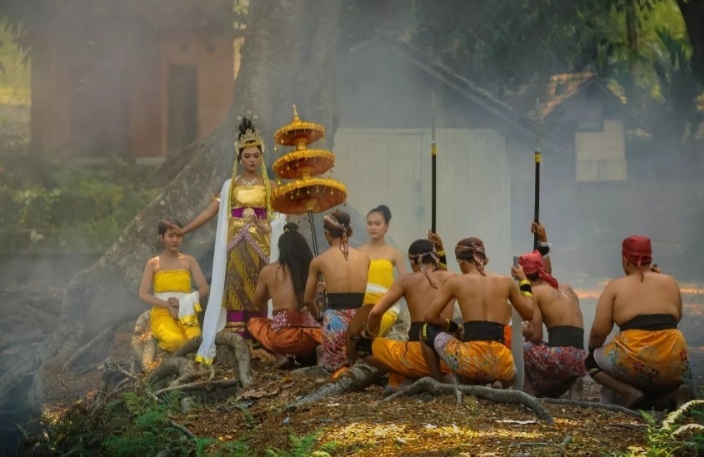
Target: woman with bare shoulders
[[384, 259], [246, 226], [292, 334], [167, 286]]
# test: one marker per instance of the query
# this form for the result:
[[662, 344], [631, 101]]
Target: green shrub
[[74, 209]]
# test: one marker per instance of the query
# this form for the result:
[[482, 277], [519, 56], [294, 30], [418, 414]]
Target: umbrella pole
[[315, 252], [314, 239]]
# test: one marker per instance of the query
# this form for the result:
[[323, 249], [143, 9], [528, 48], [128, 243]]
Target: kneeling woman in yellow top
[[166, 285], [384, 259]]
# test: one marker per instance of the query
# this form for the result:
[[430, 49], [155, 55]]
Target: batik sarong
[[341, 308], [649, 353], [481, 358]]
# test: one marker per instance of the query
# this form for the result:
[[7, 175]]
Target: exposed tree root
[[358, 377], [144, 346], [180, 366], [314, 370], [434, 387], [97, 342], [591, 404], [201, 385], [233, 351]]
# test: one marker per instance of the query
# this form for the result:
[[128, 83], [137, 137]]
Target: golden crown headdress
[[248, 136]]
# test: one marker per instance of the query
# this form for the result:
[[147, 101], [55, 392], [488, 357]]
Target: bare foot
[[606, 396], [319, 355], [631, 397], [449, 378], [575, 389], [283, 362], [497, 385], [684, 395]]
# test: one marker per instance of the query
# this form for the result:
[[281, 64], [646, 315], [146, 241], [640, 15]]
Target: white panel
[[602, 170], [607, 145]]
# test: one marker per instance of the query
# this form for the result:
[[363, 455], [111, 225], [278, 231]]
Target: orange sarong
[[653, 360], [476, 361], [402, 357], [290, 333]]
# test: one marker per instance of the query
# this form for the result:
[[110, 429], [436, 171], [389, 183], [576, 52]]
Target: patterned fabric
[[651, 360], [291, 341], [335, 323], [548, 368], [248, 252], [477, 361], [237, 321], [402, 357], [288, 318], [169, 332]]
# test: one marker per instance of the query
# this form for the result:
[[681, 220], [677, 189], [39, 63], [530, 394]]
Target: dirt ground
[[357, 424]]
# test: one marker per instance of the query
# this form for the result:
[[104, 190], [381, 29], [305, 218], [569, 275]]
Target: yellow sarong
[[381, 276], [402, 357], [477, 361], [167, 330], [647, 359]]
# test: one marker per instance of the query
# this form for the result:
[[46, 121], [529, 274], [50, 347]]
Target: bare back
[[657, 293], [279, 286], [342, 275], [483, 298], [419, 293], [558, 306]]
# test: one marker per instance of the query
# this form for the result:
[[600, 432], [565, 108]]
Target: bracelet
[[526, 289], [523, 282], [544, 248]]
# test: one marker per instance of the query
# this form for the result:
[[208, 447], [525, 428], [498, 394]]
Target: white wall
[[393, 167]]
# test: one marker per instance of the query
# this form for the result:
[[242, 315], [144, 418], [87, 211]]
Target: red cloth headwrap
[[637, 250], [532, 263]]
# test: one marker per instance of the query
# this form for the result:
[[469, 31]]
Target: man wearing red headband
[[554, 367], [647, 362], [482, 357]]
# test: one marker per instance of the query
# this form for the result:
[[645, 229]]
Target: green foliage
[[304, 447], [670, 439], [77, 208], [131, 425]]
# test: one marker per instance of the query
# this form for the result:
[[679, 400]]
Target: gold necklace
[[245, 182]]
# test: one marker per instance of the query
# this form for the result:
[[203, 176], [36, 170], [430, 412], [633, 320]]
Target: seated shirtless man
[[481, 357], [344, 271], [647, 362], [292, 335], [554, 367], [419, 288]]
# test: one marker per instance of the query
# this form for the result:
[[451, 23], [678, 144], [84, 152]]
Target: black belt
[[650, 322], [566, 335], [346, 300], [483, 331], [414, 331]]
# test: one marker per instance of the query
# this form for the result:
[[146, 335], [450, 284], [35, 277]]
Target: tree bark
[[272, 57], [693, 14]]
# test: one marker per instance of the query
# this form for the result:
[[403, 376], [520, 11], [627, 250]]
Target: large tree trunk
[[693, 14], [277, 70]]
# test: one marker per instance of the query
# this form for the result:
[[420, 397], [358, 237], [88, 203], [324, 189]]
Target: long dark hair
[[295, 256]]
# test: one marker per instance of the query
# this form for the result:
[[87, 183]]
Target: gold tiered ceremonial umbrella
[[306, 193]]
